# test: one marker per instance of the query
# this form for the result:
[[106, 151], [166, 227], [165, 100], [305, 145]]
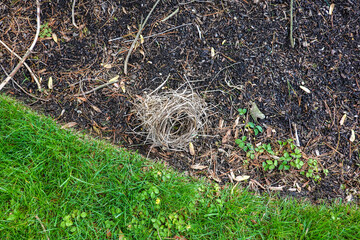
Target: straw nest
[[171, 119]]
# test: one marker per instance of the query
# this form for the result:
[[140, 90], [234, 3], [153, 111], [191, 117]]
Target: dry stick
[[25, 64], [28, 51], [291, 24], [43, 227], [137, 37], [73, 14], [97, 88], [22, 89]]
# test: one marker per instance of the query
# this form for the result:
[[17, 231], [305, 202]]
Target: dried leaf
[[114, 79], [305, 89], [96, 108], [122, 85], [97, 130], [106, 65], [69, 125], [50, 83], [342, 121], [54, 37], [108, 233], [191, 149], [141, 39], [241, 178], [198, 167], [212, 52], [352, 137], [255, 112], [331, 9], [226, 137]]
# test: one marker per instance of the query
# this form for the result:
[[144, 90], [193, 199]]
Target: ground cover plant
[[296, 66], [56, 184]]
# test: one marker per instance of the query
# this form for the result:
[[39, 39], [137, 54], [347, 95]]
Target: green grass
[[79, 188]]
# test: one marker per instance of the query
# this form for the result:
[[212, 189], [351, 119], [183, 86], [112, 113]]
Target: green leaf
[[269, 162], [251, 124], [259, 128], [256, 131], [84, 214]]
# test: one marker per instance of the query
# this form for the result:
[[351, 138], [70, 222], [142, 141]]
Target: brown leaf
[[108, 233], [253, 221], [96, 108], [179, 237], [226, 137], [69, 125]]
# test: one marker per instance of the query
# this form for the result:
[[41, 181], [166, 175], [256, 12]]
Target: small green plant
[[297, 163], [45, 30], [270, 164], [256, 128], [68, 220], [242, 111], [312, 171]]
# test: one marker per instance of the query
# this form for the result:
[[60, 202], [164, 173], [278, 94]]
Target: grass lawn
[[55, 184]]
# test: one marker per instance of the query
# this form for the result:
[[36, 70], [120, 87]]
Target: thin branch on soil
[[154, 35], [43, 227], [73, 14], [291, 24], [137, 38], [22, 89], [97, 88], [25, 64], [28, 51], [161, 85]]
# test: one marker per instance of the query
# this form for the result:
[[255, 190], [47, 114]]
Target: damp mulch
[[231, 53]]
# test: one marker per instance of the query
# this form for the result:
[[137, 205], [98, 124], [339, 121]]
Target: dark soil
[[252, 60]]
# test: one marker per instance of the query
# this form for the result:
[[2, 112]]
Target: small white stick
[[73, 14], [28, 51], [137, 37], [25, 64]]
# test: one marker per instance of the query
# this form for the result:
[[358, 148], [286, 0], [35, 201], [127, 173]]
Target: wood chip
[[342, 121], [50, 83], [352, 137], [276, 188], [69, 125], [305, 89], [191, 149], [198, 167]]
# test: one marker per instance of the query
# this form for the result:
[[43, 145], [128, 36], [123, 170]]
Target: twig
[[25, 64], [22, 89], [97, 88], [137, 37], [154, 35], [43, 227], [28, 51], [161, 85], [291, 24], [73, 14]]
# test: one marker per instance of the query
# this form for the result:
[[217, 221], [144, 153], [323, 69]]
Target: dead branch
[[28, 51], [137, 37]]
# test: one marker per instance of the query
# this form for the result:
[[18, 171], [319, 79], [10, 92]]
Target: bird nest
[[171, 119]]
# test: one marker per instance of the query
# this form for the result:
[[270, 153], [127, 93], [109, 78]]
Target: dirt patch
[[229, 52]]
